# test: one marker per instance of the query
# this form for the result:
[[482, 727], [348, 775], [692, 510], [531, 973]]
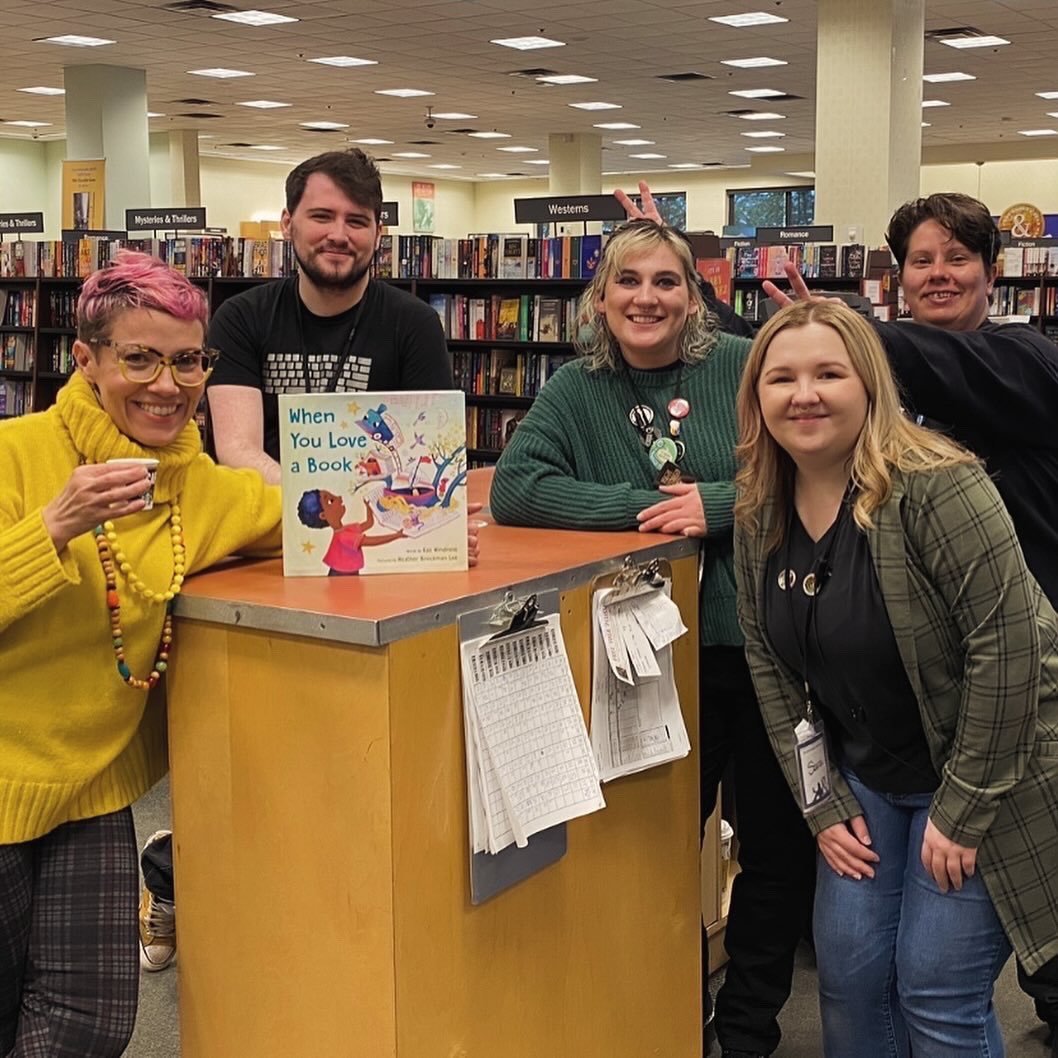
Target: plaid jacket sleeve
[[975, 613]]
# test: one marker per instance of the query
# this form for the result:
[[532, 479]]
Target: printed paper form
[[635, 726], [528, 744]]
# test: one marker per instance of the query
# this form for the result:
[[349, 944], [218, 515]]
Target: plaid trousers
[[69, 963]]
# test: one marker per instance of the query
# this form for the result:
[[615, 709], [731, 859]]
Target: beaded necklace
[[112, 558]]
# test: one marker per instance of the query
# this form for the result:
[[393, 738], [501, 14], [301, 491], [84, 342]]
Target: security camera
[[429, 118], [430, 123]]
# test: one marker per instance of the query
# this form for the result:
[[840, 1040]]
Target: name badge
[[813, 766]]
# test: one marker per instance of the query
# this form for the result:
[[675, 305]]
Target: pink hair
[[136, 281]]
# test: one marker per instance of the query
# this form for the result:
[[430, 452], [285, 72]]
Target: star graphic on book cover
[[308, 547], [353, 408], [343, 426]]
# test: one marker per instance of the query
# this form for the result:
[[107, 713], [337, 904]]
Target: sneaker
[[157, 931]]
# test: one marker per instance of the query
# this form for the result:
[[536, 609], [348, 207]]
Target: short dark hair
[[353, 171], [966, 218]]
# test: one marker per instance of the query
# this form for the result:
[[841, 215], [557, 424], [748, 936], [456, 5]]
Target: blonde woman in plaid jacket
[[883, 591]]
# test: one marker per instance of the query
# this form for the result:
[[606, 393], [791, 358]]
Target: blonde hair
[[888, 440], [593, 337]]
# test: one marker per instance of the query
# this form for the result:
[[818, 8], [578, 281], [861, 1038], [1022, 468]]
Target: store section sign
[[390, 215], [793, 233], [173, 218], [16, 223], [567, 208]]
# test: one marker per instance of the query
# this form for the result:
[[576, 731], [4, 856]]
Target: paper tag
[[813, 765], [638, 647], [659, 617], [616, 652]]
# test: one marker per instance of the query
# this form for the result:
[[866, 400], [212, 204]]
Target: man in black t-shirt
[[329, 328]]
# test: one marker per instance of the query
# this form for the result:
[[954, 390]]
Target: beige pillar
[[184, 185], [575, 169], [106, 117], [868, 113]]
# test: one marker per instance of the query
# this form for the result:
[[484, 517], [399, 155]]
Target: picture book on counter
[[373, 483]]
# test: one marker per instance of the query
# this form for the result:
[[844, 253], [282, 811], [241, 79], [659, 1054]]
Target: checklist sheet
[[529, 760]]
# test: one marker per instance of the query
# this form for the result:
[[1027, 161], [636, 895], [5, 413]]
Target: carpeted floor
[[157, 1032]]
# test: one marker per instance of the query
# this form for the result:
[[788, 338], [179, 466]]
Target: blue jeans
[[905, 969]]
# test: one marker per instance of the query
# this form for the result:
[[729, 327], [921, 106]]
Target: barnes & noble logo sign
[[165, 219]]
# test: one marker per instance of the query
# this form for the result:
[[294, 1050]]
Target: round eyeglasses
[[142, 364]]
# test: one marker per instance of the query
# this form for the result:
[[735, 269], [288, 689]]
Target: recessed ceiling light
[[636, 143], [750, 18], [344, 60], [265, 147], [805, 174], [73, 40], [537, 161], [615, 126], [764, 135], [974, 42], [29, 124], [1047, 95], [764, 150], [454, 115], [444, 165], [520, 150], [254, 18], [528, 43], [493, 175], [262, 104], [372, 142], [941, 78], [749, 64], [220, 71], [154, 114], [409, 154], [761, 115], [757, 93], [566, 78], [43, 90], [926, 125], [490, 135], [685, 165], [935, 103], [648, 154], [1052, 113], [324, 126], [1037, 132], [403, 93], [595, 106]]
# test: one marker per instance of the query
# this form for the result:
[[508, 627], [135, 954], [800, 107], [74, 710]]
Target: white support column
[[868, 113], [106, 117], [576, 169], [184, 185]]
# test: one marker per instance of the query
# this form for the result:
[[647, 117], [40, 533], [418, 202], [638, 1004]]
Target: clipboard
[[492, 873]]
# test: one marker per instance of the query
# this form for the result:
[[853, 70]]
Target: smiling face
[[812, 401], [333, 237], [646, 304], [945, 283], [153, 414]]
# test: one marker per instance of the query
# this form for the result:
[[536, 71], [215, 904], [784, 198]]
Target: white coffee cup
[[151, 466]]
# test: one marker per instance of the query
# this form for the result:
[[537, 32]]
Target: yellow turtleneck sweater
[[75, 740]]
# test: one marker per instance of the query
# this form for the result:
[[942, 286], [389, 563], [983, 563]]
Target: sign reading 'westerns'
[[168, 219], [569, 207], [373, 483]]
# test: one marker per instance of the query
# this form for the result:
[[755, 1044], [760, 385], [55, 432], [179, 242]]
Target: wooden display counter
[[320, 826]]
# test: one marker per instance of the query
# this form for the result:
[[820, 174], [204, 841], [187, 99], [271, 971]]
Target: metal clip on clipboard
[[515, 618], [633, 579]]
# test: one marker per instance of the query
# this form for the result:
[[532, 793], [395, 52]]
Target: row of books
[[488, 257], [60, 358], [1014, 301], [62, 307], [491, 428], [1015, 261], [18, 308], [16, 398], [814, 260], [521, 318], [16, 353], [504, 372]]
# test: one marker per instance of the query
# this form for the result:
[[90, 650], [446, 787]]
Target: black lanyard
[[343, 357]]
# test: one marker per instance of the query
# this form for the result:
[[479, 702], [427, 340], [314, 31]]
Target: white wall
[[999, 184], [24, 180]]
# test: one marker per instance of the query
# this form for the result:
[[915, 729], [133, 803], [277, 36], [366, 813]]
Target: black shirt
[[855, 674]]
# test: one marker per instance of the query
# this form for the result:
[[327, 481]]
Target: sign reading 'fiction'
[[18, 222], [567, 208], [170, 219]]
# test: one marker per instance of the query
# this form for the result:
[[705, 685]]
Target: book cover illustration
[[373, 483]]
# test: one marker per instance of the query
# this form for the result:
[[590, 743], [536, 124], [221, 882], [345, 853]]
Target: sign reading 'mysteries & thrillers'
[[19, 222], [570, 207], [169, 219]]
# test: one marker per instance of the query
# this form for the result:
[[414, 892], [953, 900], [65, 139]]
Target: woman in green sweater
[[640, 432], [89, 566]]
